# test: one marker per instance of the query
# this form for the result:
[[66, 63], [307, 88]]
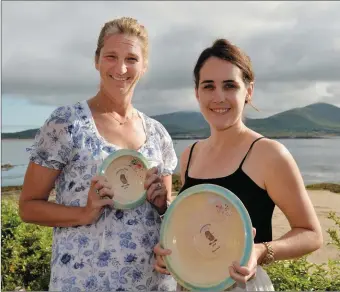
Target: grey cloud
[[48, 50], [334, 89], [333, 94]]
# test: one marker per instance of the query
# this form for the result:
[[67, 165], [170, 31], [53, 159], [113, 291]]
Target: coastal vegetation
[[335, 188], [26, 255]]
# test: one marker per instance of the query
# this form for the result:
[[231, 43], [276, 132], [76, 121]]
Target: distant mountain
[[28, 134], [315, 120], [183, 122]]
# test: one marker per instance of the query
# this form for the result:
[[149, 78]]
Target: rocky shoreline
[[6, 166]]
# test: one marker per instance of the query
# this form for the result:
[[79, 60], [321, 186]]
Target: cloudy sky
[[48, 49]]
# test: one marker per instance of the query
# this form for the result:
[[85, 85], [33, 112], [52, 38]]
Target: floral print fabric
[[116, 252]]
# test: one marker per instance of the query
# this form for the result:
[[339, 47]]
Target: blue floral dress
[[69, 141]]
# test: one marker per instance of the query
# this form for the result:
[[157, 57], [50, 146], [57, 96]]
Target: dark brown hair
[[225, 50]]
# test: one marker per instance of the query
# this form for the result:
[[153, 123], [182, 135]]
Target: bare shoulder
[[281, 172], [273, 152], [276, 163]]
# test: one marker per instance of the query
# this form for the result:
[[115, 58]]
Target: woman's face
[[222, 93], [120, 64]]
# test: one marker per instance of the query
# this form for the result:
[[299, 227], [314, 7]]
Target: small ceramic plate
[[207, 228], [125, 170]]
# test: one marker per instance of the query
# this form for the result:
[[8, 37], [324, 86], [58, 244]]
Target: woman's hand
[[99, 196], [244, 273], [160, 264], [156, 192]]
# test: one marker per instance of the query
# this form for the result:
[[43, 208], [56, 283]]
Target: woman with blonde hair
[[260, 171], [67, 152]]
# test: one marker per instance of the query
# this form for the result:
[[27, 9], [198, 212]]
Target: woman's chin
[[220, 126]]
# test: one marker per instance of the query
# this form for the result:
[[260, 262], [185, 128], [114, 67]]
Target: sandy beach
[[323, 201]]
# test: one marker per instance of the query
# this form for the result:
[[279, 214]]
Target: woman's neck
[[110, 104], [230, 137]]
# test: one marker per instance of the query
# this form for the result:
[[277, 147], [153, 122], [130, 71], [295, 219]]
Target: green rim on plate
[[107, 162], [247, 228]]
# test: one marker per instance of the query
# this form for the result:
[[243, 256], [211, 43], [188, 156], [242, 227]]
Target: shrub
[[301, 275], [25, 251], [176, 182], [335, 237], [26, 254]]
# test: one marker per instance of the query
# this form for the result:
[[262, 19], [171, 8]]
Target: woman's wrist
[[83, 218], [260, 251], [161, 211]]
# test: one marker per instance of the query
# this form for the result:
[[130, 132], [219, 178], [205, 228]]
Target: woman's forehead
[[215, 68], [118, 42]]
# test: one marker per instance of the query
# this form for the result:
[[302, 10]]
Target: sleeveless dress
[[259, 206]]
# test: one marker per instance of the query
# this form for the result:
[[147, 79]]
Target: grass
[[10, 189], [334, 188]]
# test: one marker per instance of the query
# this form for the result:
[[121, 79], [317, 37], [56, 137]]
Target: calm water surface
[[318, 159]]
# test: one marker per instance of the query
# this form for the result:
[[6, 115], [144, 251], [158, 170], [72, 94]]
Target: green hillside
[[315, 120]]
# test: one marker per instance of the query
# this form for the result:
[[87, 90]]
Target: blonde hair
[[128, 26]]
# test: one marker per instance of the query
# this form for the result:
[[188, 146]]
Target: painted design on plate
[[137, 163], [138, 167], [209, 235], [123, 177], [223, 209]]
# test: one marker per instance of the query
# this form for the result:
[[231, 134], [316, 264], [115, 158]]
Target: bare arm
[[167, 180], [286, 188], [34, 206]]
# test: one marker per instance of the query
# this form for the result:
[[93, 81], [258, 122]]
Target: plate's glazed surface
[[207, 228], [125, 170]]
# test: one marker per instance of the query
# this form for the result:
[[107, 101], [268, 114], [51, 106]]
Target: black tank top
[[256, 200]]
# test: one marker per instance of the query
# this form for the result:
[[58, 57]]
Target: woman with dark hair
[[260, 171]]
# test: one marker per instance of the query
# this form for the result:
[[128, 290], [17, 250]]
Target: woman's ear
[[196, 94], [250, 91], [96, 59]]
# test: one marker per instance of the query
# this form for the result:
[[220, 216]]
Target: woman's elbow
[[317, 240], [23, 211]]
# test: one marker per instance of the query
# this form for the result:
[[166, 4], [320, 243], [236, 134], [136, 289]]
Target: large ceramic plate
[[125, 170], [207, 228]]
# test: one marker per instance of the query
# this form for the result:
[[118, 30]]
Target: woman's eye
[[230, 86]]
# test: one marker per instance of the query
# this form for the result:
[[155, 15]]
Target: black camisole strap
[[192, 148], [251, 146]]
